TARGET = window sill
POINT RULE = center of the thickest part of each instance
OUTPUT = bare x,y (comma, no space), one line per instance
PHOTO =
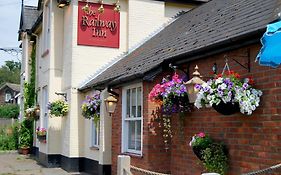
94,148
45,53
139,156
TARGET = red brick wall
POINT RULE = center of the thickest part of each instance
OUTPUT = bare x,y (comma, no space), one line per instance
254,142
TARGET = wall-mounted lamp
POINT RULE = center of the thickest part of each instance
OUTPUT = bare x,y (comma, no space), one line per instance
110,103
190,85
64,94
117,7
63,3
101,8
86,8
37,111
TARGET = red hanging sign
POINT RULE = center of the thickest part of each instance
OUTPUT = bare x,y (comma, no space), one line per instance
98,29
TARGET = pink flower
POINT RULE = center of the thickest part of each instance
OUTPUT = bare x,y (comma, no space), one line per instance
201,134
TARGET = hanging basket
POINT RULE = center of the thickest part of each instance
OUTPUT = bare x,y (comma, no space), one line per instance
227,108
198,152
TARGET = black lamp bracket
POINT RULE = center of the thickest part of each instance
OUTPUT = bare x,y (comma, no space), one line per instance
64,94
247,66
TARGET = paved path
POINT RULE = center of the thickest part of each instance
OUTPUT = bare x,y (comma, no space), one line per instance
15,164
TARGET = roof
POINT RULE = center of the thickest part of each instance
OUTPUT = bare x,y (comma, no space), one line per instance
29,16
14,87
213,24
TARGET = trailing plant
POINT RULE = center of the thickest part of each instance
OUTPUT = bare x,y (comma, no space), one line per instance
213,155
215,159
58,108
171,94
228,88
9,111
91,107
29,88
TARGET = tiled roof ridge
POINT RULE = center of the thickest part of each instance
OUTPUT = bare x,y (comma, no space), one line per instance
130,50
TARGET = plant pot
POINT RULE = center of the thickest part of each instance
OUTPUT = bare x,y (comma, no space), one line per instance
24,150
41,138
226,108
198,152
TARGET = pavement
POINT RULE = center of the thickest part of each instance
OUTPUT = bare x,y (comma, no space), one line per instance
12,163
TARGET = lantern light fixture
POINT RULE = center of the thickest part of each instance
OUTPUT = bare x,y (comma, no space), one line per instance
63,3
101,8
37,111
190,85
110,103
86,8
117,7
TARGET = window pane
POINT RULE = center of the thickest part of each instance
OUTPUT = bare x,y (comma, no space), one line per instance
138,135
95,134
134,105
131,135
139,102
128,103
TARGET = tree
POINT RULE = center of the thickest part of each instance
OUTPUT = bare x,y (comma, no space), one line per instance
10,72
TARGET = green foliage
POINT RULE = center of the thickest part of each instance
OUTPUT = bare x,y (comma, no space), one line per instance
58,108
9,111
29,88
9,138
215,159
26,134
202,142
10,72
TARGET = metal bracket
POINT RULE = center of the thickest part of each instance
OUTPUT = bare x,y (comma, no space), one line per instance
64,94
248,64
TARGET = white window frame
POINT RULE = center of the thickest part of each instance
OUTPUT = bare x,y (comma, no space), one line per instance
7,99
95,139
125,120
45,111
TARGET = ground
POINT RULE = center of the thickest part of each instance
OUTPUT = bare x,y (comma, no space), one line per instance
15,164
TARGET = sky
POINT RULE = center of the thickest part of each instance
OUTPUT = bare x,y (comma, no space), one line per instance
9,25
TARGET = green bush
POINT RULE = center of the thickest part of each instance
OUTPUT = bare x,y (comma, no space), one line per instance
9,111
9,138
26,134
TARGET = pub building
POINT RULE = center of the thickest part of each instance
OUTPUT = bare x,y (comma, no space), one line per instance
73,42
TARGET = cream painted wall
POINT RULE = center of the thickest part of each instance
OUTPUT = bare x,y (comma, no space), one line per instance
24,69
68,64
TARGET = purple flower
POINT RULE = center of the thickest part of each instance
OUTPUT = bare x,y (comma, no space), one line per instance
198,86
245,86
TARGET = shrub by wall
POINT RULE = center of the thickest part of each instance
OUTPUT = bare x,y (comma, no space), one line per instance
9,111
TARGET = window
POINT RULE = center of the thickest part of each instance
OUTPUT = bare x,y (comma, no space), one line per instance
8,96
132,119
46,29
45,99
95,134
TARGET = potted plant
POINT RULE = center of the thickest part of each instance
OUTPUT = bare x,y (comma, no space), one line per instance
58,108
25,139
41,134
228,94
91,107
213,155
